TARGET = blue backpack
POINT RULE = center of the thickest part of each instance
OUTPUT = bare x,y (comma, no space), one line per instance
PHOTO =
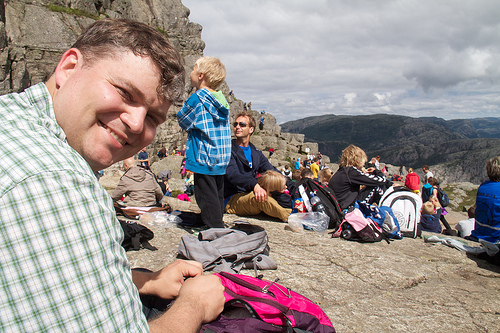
384,217
443,197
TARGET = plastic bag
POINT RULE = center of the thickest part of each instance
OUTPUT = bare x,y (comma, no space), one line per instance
160,218
316,221
295,224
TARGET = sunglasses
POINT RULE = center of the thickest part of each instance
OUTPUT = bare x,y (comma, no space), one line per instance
242,124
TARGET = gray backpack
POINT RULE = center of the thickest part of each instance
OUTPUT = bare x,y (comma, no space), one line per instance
229,250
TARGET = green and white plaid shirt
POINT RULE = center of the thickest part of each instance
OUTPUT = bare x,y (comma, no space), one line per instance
62,268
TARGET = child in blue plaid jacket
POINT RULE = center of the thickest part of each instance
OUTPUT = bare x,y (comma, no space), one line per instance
205,116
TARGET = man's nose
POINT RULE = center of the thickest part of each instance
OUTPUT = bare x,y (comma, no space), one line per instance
134,118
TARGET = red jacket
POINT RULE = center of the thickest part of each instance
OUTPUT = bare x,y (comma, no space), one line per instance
412,181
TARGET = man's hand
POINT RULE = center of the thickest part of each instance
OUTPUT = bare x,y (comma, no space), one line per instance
166,282
201,300
260,193
206,293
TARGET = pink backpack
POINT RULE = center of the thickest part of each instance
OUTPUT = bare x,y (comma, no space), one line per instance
257,305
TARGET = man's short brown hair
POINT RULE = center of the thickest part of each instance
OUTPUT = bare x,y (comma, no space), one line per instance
110,37
433,181
251,119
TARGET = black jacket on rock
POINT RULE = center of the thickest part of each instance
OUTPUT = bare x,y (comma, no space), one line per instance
346,183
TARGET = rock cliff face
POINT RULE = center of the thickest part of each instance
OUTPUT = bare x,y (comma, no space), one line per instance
34,34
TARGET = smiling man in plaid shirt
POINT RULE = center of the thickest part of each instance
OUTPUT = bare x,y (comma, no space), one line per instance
61,264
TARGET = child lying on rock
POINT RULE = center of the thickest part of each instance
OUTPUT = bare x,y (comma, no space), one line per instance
275,185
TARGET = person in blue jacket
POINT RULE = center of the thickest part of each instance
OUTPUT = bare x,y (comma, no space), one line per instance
205,116
431,212
487,225
242,192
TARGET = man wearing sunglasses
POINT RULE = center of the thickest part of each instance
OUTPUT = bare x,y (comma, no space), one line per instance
243,195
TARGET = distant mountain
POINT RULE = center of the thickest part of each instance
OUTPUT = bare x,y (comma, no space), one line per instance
460,146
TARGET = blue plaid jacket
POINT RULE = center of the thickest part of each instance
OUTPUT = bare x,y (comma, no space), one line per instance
206,120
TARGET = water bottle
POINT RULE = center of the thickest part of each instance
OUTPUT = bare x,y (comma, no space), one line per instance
316,204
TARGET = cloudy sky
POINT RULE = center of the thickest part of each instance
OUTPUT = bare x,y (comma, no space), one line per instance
298,58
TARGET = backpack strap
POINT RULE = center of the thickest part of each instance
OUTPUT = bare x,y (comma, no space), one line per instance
136,244
147,245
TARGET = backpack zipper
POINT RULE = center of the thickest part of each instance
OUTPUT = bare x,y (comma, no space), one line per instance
282,308
249,285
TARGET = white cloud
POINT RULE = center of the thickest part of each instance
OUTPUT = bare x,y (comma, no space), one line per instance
349,99
416,58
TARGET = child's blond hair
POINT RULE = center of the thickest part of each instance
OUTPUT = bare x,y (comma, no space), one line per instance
272,181
428,208
213,70
325,175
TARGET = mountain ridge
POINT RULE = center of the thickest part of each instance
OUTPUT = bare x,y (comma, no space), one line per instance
459,148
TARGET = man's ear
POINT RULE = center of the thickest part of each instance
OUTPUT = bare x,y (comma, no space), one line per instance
251,129
71,60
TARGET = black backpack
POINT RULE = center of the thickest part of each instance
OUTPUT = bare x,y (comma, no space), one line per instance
327,197
136,236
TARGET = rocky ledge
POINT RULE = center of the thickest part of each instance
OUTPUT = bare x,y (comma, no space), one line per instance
405,286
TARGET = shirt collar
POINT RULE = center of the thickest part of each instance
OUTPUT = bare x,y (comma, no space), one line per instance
39,96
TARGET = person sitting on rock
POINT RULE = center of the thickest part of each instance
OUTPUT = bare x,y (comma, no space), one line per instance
165,188
287,172
189,183
162,153
242,192
138,185
431,212
431,189
412,181
306,173
275,185
347,181
465,227
296,175
325,175
63,267
487,214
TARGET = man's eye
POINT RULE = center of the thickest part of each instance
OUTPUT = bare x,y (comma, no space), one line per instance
155,121
124,93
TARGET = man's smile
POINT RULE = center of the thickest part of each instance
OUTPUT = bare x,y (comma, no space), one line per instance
113,134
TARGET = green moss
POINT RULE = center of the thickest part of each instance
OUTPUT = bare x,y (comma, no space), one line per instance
175,193
470,199
71,11
457,205
162,31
